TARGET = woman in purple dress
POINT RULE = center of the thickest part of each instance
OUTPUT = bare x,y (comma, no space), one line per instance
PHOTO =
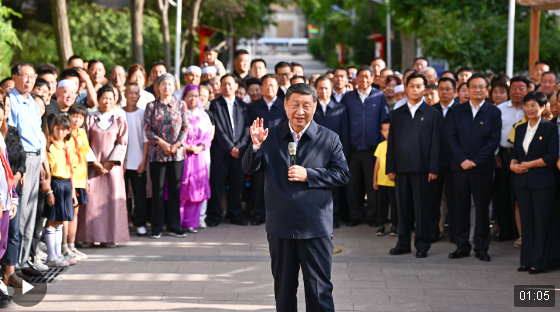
195,184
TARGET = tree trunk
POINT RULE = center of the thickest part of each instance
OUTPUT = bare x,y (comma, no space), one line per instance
408,48
164,9
192,17
136,11
62,31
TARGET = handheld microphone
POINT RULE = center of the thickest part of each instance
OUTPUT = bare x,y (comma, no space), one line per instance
292,149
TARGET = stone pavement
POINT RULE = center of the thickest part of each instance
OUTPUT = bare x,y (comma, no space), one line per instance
227,269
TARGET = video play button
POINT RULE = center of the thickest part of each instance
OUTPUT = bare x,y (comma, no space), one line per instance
29,295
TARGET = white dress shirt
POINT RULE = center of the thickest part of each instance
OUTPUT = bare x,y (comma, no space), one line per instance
363,96
269,104
324,105
403,101
445,109
510,116
413,108
475,110
230,110
529,135
284,89
337,96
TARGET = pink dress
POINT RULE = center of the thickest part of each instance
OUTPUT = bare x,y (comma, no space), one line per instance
104,218
195,185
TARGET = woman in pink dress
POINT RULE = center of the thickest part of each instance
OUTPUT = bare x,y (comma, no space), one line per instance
195,185
105,218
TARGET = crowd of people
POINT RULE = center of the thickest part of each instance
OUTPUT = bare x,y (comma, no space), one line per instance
87,155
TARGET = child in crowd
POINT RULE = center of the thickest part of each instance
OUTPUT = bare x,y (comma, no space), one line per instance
384,186
79,141
211,59
136,157
62,197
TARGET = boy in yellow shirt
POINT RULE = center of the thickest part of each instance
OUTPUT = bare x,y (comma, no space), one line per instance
384,186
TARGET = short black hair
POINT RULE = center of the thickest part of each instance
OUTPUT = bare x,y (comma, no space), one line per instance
5,80
329,72
386,121
408,70
228,75
452,73
282,64
37,96
431,86
40,82
49,66
239,52
363,68
341,68
78,109
297,77
106,88
74,57
415,75
520,79
478,76
16,69
550,73
93,62
377,58
465,68
154,64
461,85
253,80
258,60
294,64
421,58
210,47
501,77
302,88
541,62
69,72
45,72
268,76
537,96
445,79
241,84
322,78
351,67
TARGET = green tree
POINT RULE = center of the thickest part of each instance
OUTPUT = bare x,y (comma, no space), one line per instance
8,39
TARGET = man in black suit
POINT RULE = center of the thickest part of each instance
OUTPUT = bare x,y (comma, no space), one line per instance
333,116
555,239
474,137
447,91
298,199
413,155
283,71
271,110
231,116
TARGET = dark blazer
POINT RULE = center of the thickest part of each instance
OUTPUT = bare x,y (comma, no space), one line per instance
446,155
414,143
272,117
280,94
299,210
335,119
224,134
544,145
475,139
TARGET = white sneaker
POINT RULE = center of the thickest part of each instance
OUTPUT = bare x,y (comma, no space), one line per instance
69,253
155,236
202,223
42,247
57,262
71,260
39,266
41,255
141,230
80,254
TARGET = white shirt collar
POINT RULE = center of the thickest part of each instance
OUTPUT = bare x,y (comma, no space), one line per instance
294,134
368,91
324,105
284,89
228,101
413,108
269,104
475,110
529,128
341,93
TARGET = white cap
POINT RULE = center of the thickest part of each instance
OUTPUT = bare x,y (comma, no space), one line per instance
67,83
399,88
209,70
194,69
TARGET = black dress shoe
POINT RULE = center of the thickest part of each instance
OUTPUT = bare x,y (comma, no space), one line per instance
213,223
335,224
238,221
531,271
458,254
398,252
257,222
421,254
483,256
352,222
522,269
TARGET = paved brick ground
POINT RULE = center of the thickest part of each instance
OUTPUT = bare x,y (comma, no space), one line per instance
227,269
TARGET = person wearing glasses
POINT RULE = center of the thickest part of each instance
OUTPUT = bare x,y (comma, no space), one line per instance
464,73
283,71
474,135
535,152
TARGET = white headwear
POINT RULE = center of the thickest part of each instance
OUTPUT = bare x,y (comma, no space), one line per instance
67,83
194,69
209,70
399,88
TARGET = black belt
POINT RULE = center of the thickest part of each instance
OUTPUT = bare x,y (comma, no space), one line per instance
508,149
37,153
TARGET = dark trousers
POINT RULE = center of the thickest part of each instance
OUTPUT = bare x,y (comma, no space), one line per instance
504,194
386,196
258,196
443,183
535,210
137,182
220,169
339,200
362,165
162,172
315,258
413,197
480,186
38,226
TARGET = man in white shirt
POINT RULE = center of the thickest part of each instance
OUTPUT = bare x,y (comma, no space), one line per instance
283,71
340,81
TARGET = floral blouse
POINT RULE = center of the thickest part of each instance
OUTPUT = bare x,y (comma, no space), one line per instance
169,123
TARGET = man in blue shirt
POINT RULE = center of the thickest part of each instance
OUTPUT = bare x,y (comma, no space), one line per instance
367,108
26,117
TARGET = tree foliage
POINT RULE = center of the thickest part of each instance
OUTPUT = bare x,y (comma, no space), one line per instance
8,38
